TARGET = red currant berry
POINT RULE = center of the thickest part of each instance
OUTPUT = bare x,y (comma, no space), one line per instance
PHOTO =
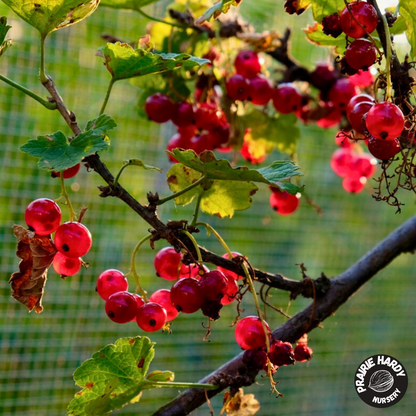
250,334
192,270
255,359
331,25
358,18
341,93
111,281
363,165
284,203
186,295
162,297
219,135
247,64
357,114
121,307
260,92
167,263
183,114
201,142
151,317
213,285
362,79
341,161
207,116
237,87
358,99
225,271
342,139
303,353
176,142
383,150
323,76
73,239
385,121
68,173
281,353
159,108
353,184
286,98
232,290
43,216
140,302
361,54
66,266
332,118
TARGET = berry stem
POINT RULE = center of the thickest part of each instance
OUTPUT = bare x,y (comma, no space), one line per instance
72,215
195,244
180,385
212,230
184,190
133,268
155,19
39,99
388,58
42,73
107,96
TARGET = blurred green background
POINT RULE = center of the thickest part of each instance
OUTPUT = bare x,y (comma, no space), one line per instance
38,353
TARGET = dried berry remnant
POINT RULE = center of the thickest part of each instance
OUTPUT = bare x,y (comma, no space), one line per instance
381,381
303,353
331,25
281,353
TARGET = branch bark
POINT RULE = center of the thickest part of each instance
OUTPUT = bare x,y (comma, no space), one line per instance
234,374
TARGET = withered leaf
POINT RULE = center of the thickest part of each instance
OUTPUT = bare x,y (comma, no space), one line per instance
242,405
262,42
37,253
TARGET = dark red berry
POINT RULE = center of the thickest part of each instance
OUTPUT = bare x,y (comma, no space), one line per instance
111,281
68,173
159,108
232,290
237,87
151,317
303,353
247,64
167,263
121,307
213,285
383,150
358,99
140,302
66,266
162,297
255,359
286,98
341,93
331,25
260,91
361,54
186,295
183,114
331,118
73,239
43,216
201,142
323,76
250,333
176,142
358,18
211,308
357,114
385,121
219,135
284,203
281,353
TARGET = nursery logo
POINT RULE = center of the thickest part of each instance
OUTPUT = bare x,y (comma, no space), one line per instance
381,381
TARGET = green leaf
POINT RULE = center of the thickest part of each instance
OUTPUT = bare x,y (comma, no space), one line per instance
161,376
123,62
57,153
407,9
49,15
281,131
220,169
315,35
322,8
138,162
126,4
179,177
399,26
216,10
4,28
113,377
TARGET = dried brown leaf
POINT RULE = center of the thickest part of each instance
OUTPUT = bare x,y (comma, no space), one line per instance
37,253
242,405
262,42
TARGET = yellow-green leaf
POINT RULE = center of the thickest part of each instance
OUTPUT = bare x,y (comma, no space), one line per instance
408,11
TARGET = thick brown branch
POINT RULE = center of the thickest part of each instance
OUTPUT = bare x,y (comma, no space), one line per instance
233,374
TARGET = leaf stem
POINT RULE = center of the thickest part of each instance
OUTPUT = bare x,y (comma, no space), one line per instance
115,183
211,229
155,19
196,212
195,244
388,59
181,385
133,267
72,215
107,96
38,98
184,190
42,74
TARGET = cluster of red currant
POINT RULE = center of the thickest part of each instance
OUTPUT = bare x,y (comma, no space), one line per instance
195,287
72,239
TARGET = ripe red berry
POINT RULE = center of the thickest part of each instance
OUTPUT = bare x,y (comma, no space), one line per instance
159,108
167,263
362,79
385,121
121,307
247,64
111,281
219,135
151,317
201,142
260,91
281,353
207,116
361,54
353,184
140,302
358,18
68,173
230,273
341,161
232,290
357,114
73,239
237,87
284,203
192,270
186,295
363,164
286,98
383,150
358,99
183,114
332,118
176,142
249,333
342,139
303,353
213,285
43,216
162,297
66,266
341,93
